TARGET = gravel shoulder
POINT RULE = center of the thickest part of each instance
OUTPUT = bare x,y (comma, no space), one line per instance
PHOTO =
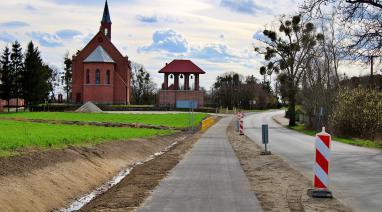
277,185
143,179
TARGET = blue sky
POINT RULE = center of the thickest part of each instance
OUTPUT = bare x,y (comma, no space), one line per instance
218,35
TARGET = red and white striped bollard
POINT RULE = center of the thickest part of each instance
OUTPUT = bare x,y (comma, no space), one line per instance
242,124
321,166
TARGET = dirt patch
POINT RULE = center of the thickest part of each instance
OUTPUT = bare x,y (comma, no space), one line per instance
277,185
98,124
138,185
48,180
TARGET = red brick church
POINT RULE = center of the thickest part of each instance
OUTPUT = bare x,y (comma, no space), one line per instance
101,74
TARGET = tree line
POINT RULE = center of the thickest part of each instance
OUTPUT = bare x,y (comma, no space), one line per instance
308,49
24,75
233,90
143,88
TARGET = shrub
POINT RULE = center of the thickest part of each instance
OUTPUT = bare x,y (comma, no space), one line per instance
357,112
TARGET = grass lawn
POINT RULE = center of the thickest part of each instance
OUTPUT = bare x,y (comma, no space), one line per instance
352,141
16,135
172,120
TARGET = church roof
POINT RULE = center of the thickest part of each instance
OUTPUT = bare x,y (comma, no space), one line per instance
106,14
182,67
99,55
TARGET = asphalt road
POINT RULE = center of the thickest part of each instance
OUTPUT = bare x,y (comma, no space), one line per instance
209,178
355,172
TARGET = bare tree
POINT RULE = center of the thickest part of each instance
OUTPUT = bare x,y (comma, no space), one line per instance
362,22
321,79
143,86
332,46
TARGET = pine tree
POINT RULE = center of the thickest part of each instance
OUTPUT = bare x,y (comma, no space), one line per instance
67,76
6,78
36,77
17,67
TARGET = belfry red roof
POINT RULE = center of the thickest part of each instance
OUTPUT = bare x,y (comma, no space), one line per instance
182,67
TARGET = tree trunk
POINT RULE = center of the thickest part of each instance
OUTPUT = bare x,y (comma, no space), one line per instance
8,105
26,105
67,96
372,72
17,103
292,110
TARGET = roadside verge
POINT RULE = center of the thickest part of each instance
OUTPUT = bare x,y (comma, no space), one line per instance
281,120
49,180
277,185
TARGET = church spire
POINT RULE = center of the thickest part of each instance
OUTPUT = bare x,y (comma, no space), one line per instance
106,14
106,22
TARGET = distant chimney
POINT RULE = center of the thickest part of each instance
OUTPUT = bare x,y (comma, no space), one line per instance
166,64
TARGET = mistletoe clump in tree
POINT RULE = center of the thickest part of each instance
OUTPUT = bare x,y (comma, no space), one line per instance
288,52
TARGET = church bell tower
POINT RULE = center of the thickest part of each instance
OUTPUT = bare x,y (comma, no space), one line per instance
106,22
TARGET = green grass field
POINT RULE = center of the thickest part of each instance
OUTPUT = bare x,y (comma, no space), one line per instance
171,120
353,141
16,135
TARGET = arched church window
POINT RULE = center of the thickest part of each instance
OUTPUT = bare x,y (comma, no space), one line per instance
108,77
106,31
98,77
88,76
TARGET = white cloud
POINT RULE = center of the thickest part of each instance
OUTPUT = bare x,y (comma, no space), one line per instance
67,34
14,24
7,38
46,39
196,26
215,52
59,38
168,41
244,6
148,19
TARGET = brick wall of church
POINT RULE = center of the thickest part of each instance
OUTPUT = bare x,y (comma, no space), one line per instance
122,68
102,92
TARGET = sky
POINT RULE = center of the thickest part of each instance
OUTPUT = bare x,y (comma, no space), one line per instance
218,35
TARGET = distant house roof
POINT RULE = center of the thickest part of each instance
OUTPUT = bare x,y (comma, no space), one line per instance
182,67
99,55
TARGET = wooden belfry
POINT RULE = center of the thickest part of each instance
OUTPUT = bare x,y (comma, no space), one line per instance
172,95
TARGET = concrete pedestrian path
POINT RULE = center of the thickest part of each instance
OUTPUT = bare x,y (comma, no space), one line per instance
209,178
